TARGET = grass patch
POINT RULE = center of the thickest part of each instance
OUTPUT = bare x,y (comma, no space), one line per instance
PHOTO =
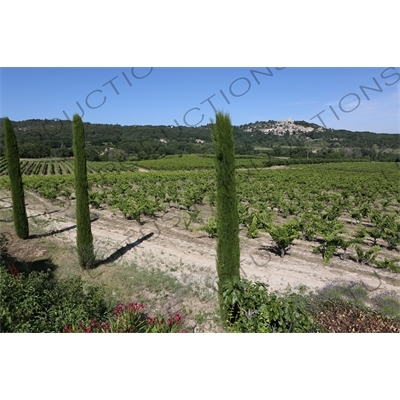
354,293
388,304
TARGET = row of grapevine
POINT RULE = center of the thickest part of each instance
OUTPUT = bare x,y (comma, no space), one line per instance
66,166
188,162
175,163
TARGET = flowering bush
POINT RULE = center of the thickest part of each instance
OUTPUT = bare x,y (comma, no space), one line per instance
129,319
35,302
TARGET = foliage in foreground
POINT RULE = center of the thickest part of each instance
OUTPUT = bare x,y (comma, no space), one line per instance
340,316
129,319
35,302
254,309
339,307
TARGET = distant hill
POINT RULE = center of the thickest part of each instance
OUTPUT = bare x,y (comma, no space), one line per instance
53,138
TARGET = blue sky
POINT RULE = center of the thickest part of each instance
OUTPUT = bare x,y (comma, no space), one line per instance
187,96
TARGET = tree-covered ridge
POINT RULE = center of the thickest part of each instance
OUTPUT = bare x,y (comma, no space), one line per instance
52,138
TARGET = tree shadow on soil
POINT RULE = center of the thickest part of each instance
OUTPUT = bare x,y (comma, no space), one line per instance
10,219
44,213
54,232
17,267
120,252
273,249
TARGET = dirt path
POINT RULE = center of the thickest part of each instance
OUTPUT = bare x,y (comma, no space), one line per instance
190,256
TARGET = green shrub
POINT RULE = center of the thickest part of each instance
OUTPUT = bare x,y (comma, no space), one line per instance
284,235
368,256
211,228
252,230
3,246
388,264
254,309
36,303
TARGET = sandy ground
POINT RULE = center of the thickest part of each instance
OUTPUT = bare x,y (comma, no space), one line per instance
190,256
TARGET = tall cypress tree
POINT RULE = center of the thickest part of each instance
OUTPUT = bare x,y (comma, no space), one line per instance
228,252
84,238
14,172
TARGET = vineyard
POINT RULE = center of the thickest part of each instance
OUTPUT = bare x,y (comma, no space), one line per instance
169,163
184,162
50,167
195,161
345,210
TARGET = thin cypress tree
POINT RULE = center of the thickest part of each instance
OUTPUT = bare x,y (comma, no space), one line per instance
14,172
228,252
84,237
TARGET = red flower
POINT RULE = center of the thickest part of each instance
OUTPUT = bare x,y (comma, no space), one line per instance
178,318
135,306
94,323
119,309
105,326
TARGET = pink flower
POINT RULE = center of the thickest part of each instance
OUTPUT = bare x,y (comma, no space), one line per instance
105,326
178,318
119,309
135,306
